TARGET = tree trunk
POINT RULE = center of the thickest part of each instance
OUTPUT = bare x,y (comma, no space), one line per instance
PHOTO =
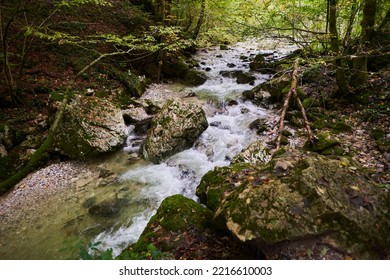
341,79
355,8
200,20
360,73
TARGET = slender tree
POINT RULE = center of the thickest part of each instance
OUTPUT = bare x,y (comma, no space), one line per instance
360,73
341,80
200,19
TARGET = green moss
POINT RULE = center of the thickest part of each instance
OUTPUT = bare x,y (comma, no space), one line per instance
377,133
209,179
312,74
224,47
194,78
341,126
383,145
7,167
174,216
56,96
177,212
311,102
321,144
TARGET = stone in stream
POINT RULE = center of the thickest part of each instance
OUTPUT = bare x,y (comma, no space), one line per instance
240,76
174,129
106,209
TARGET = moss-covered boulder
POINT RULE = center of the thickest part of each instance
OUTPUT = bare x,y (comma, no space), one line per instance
325,145
194,78
181,229
300,200
258,63
171,227
90,127
174,129
277,88
245,78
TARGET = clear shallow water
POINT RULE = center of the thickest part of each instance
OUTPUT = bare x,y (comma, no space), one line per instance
139,188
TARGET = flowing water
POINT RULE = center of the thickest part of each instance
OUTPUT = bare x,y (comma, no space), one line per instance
135,190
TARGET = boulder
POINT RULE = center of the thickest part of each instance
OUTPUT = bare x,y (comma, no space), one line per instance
106,209
277,88
180,230
176,215
245,78
90,127
258,62
240,76
298,203
174,129
194,78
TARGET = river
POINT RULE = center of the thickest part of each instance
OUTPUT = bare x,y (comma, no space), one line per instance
63,221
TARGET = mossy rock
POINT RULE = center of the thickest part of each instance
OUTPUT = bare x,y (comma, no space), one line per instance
224,47
305,198
218,183
194,78
96,126
383,145
377,133
382,142
174,66
176,215
322,144
275,87
175,128
311,102
283,141
312,73
340,126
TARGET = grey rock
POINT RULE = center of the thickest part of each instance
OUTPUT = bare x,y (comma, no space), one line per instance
174,129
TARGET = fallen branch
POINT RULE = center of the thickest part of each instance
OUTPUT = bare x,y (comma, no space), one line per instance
293,92
287,101
306,121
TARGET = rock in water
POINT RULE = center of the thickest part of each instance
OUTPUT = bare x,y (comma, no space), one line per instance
90,126
174,129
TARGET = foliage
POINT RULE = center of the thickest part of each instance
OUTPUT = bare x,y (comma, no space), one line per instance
151,253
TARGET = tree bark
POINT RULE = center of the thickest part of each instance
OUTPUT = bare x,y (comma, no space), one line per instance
341,79
355,8
287,101
359,63
200,20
